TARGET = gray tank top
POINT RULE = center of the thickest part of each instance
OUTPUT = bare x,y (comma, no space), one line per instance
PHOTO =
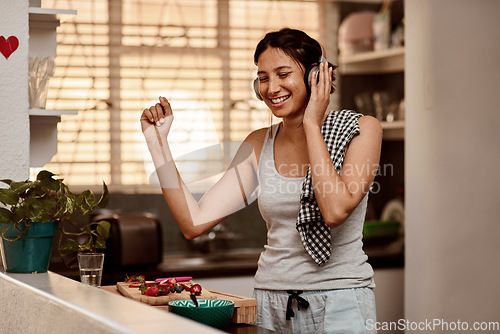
284,264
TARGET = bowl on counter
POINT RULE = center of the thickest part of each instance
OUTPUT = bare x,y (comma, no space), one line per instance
386,230
212,312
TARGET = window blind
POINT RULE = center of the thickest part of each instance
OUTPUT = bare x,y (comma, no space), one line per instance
116,57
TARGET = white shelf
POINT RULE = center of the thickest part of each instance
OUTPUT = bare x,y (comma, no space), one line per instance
393,130
53,11
49,116
373,62
49,14
51,112
43,130
43,23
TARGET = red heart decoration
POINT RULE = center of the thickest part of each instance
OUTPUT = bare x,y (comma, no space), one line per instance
8,46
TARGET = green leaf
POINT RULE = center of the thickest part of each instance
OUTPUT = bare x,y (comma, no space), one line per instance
40,204
103,202
6,181
39,216
5,216
69,245
21,187
51,184
39,210
19,214
102,228
44,175
67,204
100,243
8,196
35,192
86,202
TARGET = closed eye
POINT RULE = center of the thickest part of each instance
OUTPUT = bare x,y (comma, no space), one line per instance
284,75
263,79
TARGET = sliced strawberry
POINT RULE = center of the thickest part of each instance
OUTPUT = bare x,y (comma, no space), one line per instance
165,285
196,289
152,291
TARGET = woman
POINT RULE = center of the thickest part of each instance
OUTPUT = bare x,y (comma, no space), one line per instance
314,171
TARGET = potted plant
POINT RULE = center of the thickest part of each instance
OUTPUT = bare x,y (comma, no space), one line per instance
32,214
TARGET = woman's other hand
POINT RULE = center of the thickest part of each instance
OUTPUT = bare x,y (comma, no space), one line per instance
320,96
159,115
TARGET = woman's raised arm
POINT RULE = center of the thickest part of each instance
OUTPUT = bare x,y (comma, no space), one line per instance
230,194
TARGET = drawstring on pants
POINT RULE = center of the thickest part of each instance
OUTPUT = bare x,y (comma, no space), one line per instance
300,302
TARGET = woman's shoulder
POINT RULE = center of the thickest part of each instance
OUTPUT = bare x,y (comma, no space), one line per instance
257,138
371,124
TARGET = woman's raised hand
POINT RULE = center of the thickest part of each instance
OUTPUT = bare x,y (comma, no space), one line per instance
159,115
320,96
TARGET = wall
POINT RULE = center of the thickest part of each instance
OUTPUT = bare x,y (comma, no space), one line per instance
452,158
14,118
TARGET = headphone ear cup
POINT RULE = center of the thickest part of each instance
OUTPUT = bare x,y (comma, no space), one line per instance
256,88
308,76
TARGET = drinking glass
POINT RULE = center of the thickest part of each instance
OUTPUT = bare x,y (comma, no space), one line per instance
91,268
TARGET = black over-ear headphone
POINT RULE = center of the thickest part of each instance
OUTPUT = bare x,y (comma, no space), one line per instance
307,77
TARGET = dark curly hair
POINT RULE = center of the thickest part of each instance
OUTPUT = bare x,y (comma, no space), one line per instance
296,44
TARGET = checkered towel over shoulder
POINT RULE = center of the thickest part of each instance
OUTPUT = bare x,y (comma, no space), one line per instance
337,130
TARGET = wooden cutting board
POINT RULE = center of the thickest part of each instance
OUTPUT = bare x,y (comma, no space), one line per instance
135,293
245,308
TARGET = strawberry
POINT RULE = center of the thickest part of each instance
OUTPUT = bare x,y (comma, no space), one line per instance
166,284
134,278
152,291
163,291
144,286
196,289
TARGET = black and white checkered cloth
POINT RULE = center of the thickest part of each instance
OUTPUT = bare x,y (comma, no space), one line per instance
337,130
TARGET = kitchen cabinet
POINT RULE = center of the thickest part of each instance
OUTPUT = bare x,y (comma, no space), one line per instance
360,77
43,23
376,63
373,62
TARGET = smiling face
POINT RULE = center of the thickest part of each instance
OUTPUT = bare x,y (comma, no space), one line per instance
281,83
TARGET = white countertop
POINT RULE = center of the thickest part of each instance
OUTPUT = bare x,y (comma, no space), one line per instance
53,303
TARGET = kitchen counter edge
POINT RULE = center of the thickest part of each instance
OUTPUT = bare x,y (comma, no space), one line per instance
48,301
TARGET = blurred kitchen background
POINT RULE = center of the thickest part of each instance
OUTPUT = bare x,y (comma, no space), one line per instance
428,70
